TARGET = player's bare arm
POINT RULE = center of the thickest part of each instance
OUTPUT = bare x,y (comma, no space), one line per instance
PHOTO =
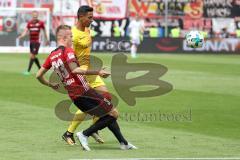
40,76
77,70
23,34
46,37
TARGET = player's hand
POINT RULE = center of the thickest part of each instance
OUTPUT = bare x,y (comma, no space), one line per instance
103,73
54,86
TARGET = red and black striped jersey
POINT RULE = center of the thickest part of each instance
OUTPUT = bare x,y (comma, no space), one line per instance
34,28
59,59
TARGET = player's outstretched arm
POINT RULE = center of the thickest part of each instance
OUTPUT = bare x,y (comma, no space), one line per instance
77,70
24,33
46,37
43,80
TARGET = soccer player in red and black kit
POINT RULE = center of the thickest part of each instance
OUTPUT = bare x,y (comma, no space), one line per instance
65,64
34,27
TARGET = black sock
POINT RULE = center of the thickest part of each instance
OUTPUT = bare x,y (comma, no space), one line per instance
114,128
30,64
37,63
100,124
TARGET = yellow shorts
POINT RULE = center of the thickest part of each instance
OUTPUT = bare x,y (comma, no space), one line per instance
93,80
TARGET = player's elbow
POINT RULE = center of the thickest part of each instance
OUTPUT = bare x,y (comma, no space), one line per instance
74,71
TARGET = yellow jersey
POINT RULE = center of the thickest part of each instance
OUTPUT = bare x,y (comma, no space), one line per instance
82,46
82,42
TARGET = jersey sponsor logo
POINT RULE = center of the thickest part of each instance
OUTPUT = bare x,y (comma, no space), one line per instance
34,29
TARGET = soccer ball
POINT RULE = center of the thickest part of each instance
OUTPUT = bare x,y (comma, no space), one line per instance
194,39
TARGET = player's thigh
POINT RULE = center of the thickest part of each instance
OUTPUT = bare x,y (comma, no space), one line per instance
93,103
114,112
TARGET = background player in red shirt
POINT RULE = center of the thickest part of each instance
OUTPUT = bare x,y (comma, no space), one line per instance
65,64
34,27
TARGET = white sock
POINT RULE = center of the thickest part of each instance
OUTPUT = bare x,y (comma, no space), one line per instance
133,51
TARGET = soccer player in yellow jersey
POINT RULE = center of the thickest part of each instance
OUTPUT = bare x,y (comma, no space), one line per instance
82,46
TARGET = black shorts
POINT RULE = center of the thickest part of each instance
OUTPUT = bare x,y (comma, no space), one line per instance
93,103
34,47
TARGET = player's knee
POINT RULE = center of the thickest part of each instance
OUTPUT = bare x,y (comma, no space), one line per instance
107,95
79,111
32,56
114,113
101,89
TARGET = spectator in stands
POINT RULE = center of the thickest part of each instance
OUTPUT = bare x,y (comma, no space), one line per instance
238,33
205,33
116,30
153,32
175,32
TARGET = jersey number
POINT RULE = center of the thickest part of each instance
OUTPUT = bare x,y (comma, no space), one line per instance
60,69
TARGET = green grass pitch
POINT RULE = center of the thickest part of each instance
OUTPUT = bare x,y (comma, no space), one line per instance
206,91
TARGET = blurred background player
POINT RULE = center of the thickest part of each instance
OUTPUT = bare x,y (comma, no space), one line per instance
34,27
136,29
82,46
